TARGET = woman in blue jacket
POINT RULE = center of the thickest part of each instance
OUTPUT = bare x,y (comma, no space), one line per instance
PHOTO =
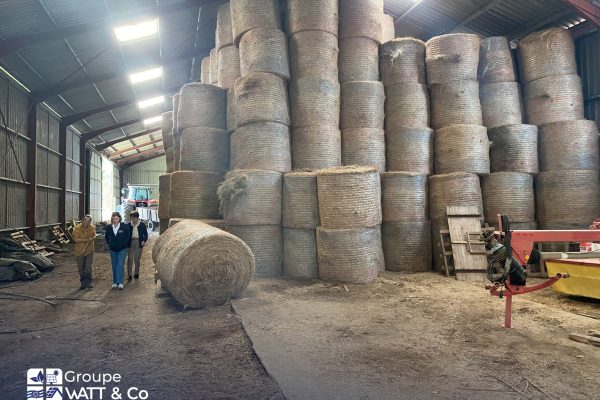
117,237
138,237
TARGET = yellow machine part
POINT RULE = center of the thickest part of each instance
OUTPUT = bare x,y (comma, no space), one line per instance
584,277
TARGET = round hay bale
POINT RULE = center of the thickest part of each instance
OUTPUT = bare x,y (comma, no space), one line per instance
547,53
312,15
251,197
228,66
202,105
410,150
362,105
404,196
175,221
520,226
265,241
457,189
204,267
495,61
216,223
508,193
300,253
164,237
224,31
407,246
361,18
315,101
300,201
406,106
455,103
214,67
205,70
261,145
452,57
163,225
358,60
500,104
514,148
167,129
316,147
176,99
314,53
554,99
261,97
250,14
164,195
402,60
204,149
194,195
349,197
264,50
350,255
364,146
170,159
462,148
569,145
231,123
176,152
567,199
388,30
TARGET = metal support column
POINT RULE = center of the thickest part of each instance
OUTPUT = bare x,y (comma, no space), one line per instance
31,170
62,174
83,181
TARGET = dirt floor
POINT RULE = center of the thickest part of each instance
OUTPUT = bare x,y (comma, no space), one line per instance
143,336
417,336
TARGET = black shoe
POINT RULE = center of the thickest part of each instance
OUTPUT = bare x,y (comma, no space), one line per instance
82,287
90,286
129,278
136,276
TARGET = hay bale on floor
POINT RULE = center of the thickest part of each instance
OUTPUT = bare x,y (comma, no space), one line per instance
204,149
569,145
314,53
312,15
455,103
224,31
163,225
349,197
300,200
358,60
402,60
317,146
261,97
300,253
165,237
194,195
508,193
462,148
495,60
500,104
264,50
452,57
265,241
514,148
406,106
204,267
364,147
350,255
261,145
457,189
407,245
361,18
202,105
228,66
251,197
388,30
404,196
554,99
216,223
362,105
550,52
167,129
251,14
410,150
315,101
164,195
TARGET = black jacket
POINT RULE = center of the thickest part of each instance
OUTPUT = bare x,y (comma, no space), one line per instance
121,240
142,233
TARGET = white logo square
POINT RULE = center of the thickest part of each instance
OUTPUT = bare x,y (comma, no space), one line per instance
36,376
35,392
54,393
54,376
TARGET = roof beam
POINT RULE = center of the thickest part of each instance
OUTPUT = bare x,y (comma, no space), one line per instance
518,34
151,152
92,134
587,9
106,145
137,146
140,160
472,16
405,13
16,43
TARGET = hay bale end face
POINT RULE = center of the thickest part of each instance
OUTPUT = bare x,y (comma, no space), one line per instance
402,60
202,266
452,57
265,241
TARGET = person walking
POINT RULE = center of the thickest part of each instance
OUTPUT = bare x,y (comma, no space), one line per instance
117,238
83,236
139,237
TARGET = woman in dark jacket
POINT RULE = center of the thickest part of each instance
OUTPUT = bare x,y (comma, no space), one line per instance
117,237
138,237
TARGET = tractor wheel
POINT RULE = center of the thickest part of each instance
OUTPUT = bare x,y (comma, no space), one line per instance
152,225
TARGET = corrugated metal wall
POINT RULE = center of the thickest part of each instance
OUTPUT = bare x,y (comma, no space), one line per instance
145,173
117,185
588,61
48,186
73,169
95,185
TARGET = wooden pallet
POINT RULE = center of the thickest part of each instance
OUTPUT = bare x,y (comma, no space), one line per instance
29,244
468,252
59,236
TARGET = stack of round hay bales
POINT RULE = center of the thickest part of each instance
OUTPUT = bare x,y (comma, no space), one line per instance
202,266
164,196
514,148
349,237
362,94
251,202
228,55
168,140
509,193
388,30
204,149
176,136
194,195
312,28
300,218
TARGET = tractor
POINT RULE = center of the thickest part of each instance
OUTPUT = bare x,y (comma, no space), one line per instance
139,198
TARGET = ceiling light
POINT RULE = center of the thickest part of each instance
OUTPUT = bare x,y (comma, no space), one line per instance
144,29
151,102
153,120
146,75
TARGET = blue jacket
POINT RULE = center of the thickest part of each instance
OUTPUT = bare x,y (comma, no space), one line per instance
142,233
121,240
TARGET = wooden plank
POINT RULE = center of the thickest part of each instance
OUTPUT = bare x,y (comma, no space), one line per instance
578,337
463,221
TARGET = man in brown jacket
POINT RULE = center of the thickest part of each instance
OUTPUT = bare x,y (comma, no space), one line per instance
83,235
